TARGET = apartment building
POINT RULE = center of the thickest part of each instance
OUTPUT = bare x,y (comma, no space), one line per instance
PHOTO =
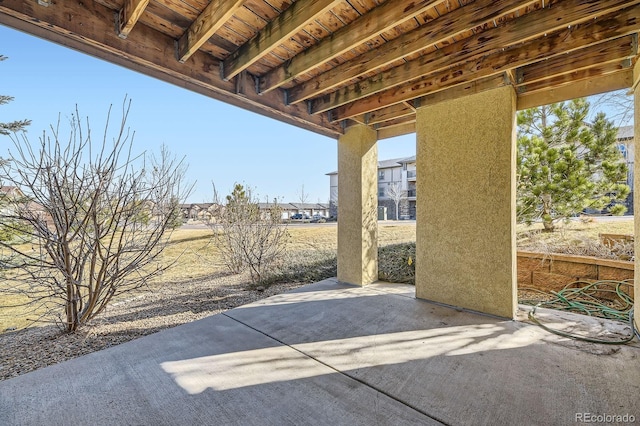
400,172
626,146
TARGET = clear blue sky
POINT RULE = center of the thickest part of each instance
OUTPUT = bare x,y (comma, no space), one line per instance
221,143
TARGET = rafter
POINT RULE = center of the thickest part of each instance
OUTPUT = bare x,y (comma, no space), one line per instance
602,53
441,29
591,86
529,27
384,114
286,25
636,75
558,80
150,52
616,25
400,121
128,16
214,16
392,132
383,18
462,90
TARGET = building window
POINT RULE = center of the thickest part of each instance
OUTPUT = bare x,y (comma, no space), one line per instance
381,175
381,191
623,150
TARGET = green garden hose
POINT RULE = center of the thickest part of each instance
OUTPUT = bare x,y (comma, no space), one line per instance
585,297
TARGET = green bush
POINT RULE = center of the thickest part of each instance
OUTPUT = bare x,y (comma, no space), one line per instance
396,263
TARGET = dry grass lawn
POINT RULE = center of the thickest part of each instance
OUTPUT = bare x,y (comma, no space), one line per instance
577,236
311,247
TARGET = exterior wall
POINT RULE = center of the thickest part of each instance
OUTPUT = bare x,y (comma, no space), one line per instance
465,245
333,194
627,147
388,176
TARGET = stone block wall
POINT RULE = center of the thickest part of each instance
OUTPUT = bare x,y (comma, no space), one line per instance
553,272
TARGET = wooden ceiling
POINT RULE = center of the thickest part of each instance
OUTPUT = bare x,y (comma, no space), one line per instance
322,64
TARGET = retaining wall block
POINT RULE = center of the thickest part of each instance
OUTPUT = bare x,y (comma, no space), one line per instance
572,269
525,277
530,264
608,273
547,281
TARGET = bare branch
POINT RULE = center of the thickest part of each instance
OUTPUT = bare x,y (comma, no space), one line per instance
397,195
90,220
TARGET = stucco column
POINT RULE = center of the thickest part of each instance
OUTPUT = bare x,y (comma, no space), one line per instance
636,197
465,235
358,206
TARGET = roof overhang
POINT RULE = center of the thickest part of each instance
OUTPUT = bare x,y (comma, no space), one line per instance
323,65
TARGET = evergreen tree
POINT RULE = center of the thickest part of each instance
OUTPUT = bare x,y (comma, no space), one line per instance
13,126
566,165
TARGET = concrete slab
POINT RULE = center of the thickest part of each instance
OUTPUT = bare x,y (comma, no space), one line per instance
336,354
212,372
458,367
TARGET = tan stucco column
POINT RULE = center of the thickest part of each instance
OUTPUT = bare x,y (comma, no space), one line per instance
636,196
465,236
358,206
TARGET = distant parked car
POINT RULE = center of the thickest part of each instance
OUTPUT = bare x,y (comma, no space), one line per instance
318,218
299,216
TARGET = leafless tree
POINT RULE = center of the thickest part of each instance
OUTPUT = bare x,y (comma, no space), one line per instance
248,238
333,202
303,197
93,217
397,194
618,105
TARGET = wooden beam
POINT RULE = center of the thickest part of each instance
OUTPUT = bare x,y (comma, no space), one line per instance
463,90
475,48
601,53
88,28
380,19
616,25
129,15
574,76
636,74
214,16
593,86
389,113
290,22
392,132
400,121
441,29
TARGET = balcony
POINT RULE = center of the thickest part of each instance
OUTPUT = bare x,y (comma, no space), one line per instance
411,175
411,193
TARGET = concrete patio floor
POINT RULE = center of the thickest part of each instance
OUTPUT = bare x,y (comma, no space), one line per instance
333,354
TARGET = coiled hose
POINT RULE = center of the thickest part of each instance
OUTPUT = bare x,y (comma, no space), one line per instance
587,298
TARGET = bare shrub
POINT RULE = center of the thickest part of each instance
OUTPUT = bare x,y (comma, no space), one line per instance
579,246
249,238
94,219
397,195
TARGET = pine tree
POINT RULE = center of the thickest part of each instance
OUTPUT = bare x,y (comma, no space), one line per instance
14,126
566,165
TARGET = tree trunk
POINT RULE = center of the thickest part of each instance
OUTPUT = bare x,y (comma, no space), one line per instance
547,219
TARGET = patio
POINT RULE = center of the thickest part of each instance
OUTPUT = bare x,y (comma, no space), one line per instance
331,353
